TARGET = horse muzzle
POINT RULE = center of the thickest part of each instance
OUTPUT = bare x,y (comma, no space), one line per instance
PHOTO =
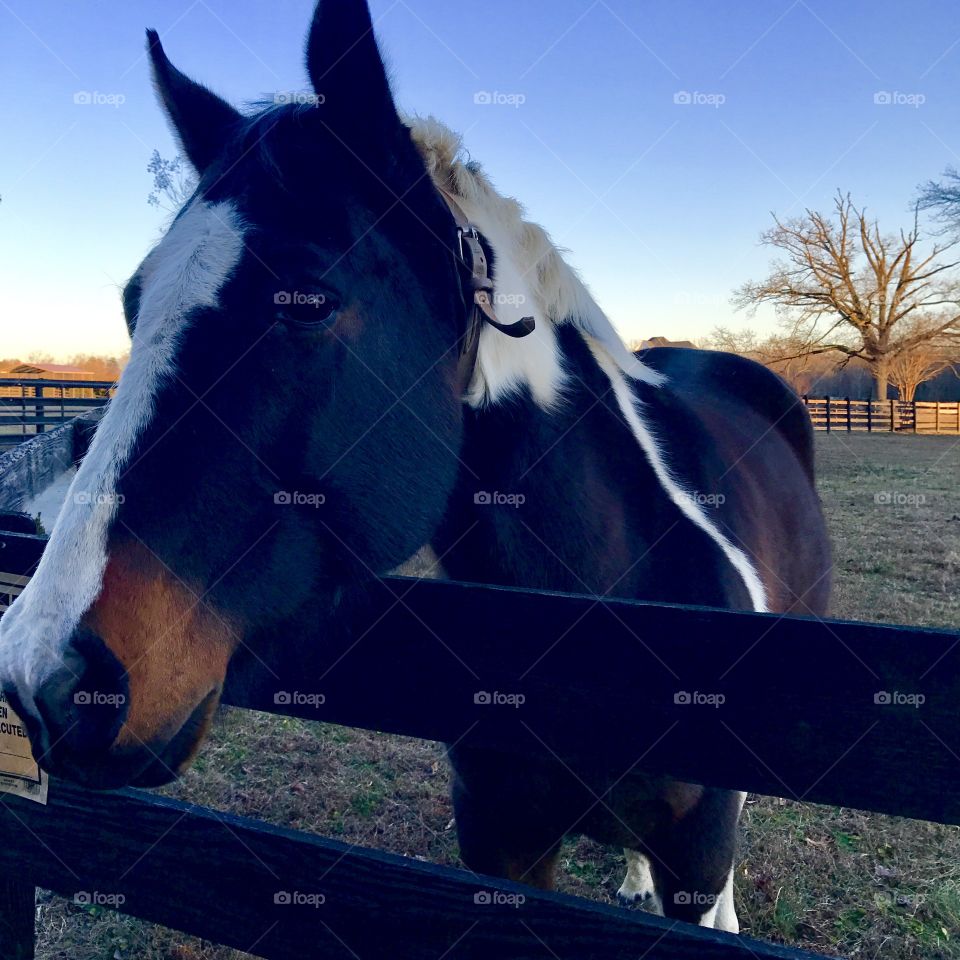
78,717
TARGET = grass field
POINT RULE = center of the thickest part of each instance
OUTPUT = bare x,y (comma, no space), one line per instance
829,879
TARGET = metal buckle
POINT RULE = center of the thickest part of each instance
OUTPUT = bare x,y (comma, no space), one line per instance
468,238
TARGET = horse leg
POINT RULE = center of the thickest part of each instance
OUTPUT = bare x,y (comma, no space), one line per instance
638,885
693,858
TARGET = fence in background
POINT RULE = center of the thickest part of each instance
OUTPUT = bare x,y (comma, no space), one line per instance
883,416
29,407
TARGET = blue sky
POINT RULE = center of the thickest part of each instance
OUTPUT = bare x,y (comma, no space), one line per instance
660,202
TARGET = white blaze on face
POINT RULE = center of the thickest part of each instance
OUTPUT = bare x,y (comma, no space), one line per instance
185,271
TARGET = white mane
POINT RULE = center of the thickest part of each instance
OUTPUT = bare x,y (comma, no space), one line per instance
529,263
559,295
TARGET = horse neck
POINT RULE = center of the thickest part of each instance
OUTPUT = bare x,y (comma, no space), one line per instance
544,472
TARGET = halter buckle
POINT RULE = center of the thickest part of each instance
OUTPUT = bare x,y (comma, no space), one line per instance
473,257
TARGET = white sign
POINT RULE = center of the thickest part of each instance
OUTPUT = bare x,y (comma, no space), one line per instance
19,773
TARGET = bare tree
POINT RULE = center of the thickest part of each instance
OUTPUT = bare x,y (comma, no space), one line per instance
745,342
941,198
173,182
924,362
801,368
841,285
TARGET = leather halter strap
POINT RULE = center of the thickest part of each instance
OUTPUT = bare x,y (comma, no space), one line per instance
479,297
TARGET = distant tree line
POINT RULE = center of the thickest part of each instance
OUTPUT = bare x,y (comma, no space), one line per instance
102,368
925,373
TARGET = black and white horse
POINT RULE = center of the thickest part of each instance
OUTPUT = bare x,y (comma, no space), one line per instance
319,317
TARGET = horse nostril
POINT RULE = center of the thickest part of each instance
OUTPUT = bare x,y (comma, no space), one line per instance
82,703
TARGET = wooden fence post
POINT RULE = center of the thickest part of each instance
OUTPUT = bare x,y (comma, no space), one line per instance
936,417
17,909
869,416
38,408
913,407
849,417
892,409
828,413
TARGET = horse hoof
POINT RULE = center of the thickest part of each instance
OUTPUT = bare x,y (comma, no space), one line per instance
631,899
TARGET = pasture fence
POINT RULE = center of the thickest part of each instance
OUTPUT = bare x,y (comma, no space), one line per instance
29,407
859,710
883,416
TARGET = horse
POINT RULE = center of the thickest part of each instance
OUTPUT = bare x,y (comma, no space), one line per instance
347,309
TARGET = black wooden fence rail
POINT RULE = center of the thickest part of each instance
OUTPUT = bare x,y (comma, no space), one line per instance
843,713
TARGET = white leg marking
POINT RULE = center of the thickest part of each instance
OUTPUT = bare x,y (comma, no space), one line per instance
709,919
725,910
638,886
683,499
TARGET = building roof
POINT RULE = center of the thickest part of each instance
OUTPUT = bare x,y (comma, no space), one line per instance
51,368
664,342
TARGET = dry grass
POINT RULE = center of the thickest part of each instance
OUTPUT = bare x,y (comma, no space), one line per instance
834,880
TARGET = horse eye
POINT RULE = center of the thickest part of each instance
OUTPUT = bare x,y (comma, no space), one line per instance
306,310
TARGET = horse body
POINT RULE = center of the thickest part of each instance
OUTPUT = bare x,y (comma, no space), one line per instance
319,260
596,515
686,481
585,511
595,518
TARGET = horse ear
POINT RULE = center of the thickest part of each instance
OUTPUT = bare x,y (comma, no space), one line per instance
200,118
346,68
